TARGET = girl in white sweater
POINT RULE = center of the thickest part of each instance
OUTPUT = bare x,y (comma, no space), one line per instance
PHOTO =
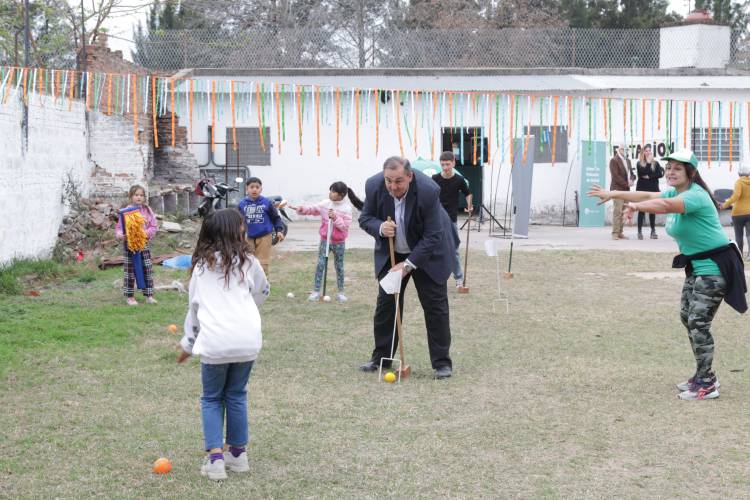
223,327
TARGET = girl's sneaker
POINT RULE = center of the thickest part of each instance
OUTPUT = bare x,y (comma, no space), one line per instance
238,463
132,302
215,470
151,300
689,383
699,392
341,297
314,297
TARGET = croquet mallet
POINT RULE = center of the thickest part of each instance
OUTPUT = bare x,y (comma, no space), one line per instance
328,249
463,288
404,370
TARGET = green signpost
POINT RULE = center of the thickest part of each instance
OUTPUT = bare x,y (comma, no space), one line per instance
593,171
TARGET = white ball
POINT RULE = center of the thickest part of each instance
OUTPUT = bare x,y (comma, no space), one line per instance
290,295
326,298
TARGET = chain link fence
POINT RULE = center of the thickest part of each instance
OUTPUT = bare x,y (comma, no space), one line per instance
455,48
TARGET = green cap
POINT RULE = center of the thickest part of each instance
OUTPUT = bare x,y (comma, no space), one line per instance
684,156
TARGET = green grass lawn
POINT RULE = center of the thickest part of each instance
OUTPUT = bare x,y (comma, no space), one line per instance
570,395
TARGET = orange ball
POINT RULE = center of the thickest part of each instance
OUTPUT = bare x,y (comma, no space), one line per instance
162,466
172,328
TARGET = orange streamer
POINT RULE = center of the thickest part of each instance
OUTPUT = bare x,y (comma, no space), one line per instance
278,117
72,89
731,135
710,132
260,119
511,103
377,120
299,117
153,113
190,104
658,121
10,84
109,94
643,122
338,119
685,122
356,121
527,136
171,98
57,88
554,128
398,124
135,108
25,72
213,117
40,86
317,120
234,124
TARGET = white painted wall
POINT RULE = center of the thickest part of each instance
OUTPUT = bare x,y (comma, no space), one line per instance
31,204
694,46
305,177
33,179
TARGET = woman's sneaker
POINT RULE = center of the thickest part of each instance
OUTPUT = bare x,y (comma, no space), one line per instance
314,297
700,391
151,300
214,469
131,301
238,463
341,297
689,383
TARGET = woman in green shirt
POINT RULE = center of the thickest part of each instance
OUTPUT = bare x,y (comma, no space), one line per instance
693,221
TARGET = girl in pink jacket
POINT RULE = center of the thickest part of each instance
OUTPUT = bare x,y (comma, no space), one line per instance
339,211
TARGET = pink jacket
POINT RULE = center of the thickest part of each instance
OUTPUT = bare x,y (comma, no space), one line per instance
151,225
342,218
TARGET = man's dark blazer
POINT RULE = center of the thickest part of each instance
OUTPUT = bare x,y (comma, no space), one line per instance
431,235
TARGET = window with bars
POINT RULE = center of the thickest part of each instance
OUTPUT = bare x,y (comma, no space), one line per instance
249,149
726,143
543,153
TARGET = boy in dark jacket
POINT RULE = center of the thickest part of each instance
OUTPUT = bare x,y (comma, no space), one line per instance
262,219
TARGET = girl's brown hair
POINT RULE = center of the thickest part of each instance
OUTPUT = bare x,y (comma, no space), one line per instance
223,233
134,189
695,176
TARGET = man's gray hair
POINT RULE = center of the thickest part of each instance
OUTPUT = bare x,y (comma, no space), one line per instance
395,162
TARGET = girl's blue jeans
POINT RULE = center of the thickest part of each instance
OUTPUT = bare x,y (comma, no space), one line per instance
224,390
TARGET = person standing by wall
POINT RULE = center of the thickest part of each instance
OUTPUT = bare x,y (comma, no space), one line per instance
649,173
452,185
740,203
621,172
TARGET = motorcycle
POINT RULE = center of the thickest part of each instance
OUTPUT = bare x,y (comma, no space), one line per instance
216,196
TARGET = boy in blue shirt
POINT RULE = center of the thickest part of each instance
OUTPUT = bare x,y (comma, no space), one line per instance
261,218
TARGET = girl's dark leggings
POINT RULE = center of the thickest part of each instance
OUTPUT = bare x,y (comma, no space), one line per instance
741,223
651,220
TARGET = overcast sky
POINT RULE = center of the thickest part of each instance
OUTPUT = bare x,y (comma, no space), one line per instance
122,25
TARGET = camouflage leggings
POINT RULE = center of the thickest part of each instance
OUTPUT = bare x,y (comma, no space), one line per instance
701,297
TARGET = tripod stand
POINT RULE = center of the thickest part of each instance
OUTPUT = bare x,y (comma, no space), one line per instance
482,210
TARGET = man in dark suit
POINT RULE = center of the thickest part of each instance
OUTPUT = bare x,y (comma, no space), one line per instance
621,172
425,244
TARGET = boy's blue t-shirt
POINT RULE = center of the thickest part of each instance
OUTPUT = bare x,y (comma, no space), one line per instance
261,217
698,229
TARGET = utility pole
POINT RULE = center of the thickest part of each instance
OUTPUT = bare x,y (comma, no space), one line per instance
26,44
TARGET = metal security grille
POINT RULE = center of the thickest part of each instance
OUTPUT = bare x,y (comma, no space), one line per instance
249,149
720,143
544,139
557,47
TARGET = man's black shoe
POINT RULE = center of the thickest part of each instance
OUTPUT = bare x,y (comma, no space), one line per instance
443,372
373,366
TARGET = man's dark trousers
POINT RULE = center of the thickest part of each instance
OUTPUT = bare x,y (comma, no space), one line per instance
434,299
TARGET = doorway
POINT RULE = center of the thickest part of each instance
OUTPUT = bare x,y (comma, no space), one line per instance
469,145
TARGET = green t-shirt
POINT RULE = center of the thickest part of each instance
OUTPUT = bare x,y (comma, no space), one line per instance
698,229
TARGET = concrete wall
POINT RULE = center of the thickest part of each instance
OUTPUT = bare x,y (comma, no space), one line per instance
304,176
33,180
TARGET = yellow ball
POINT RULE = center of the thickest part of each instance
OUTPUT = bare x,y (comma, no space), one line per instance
389,377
